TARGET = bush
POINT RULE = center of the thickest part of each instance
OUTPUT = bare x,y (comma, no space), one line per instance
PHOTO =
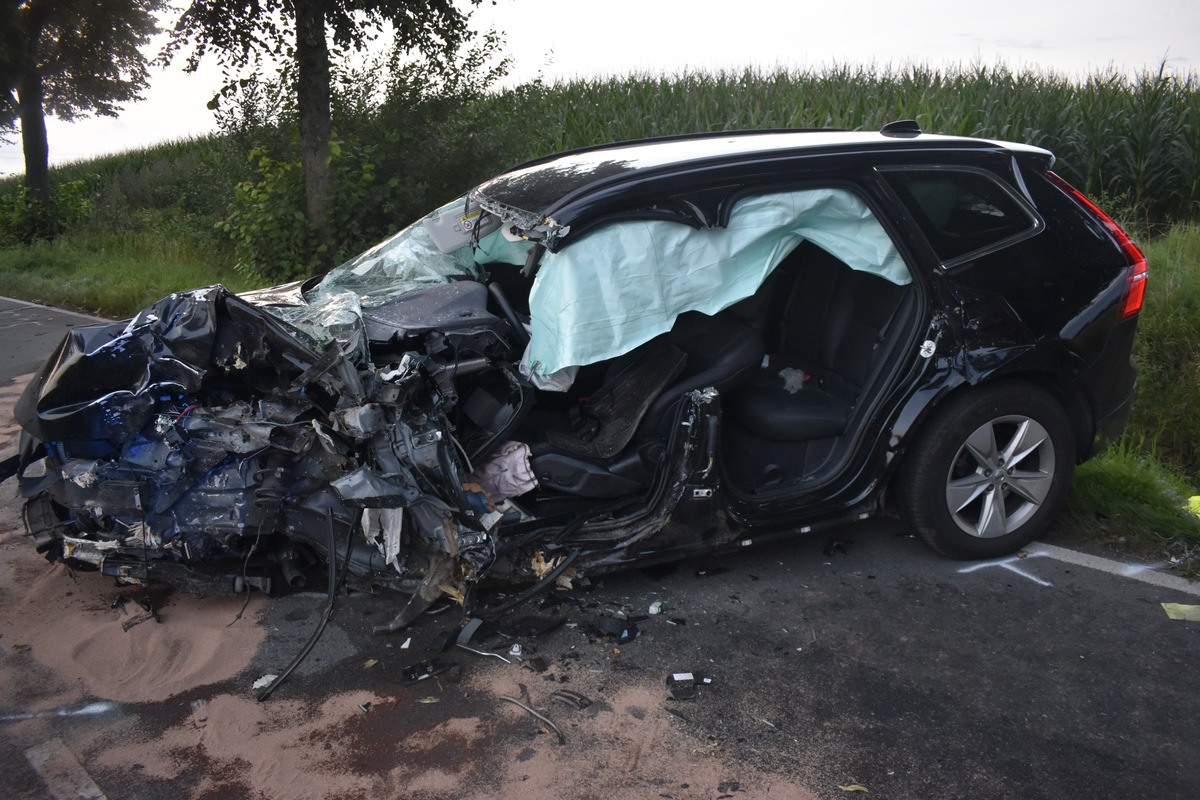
24,220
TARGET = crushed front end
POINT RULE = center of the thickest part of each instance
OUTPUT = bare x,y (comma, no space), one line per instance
211,445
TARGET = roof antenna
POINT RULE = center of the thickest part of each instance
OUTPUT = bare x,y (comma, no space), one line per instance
901,129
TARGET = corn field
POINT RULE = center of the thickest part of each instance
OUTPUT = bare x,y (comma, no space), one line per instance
1133,141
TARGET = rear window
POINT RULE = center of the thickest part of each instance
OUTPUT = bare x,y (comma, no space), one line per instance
963,213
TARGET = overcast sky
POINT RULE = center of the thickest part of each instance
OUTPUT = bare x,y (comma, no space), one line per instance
562,39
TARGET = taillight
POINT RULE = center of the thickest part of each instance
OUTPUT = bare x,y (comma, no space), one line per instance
1135,275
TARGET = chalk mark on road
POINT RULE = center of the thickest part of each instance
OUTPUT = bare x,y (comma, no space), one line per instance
1007,563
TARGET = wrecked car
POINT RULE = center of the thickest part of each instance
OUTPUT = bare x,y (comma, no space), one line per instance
618,355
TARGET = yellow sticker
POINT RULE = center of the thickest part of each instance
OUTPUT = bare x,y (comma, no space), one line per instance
1182,611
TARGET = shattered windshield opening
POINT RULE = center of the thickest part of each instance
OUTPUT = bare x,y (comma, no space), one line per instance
411,259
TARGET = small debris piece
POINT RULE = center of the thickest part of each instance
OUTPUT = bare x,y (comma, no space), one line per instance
119,604
537,664
440,605
370,662
1182,611
484,653
561,739
441,643
708,572
423,671
685,685
426,701
364,707
677,621
145,616
469,630
516,650
264,681
407,643
837,546
854,787
571,698
657,607
620,630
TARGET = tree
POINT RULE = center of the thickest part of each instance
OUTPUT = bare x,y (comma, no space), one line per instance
68,58
301,31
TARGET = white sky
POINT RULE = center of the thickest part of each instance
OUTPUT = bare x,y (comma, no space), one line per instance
562,39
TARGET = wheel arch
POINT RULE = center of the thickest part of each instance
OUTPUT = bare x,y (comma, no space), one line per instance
924,409
930,450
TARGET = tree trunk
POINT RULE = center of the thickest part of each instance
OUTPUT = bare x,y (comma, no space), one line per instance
312,100
30,105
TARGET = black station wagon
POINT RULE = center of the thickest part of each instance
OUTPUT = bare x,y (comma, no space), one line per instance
618,355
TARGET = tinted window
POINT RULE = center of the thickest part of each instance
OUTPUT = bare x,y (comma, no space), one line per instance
961,212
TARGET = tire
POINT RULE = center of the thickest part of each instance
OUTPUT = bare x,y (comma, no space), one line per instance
989,471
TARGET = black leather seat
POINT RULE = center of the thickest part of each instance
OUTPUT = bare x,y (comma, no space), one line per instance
715,351
832,330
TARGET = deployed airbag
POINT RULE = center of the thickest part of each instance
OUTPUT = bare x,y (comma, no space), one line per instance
625,283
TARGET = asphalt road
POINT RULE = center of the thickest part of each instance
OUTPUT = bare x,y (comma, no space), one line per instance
858,660
30,334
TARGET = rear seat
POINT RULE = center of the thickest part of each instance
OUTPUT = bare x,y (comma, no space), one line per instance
833,323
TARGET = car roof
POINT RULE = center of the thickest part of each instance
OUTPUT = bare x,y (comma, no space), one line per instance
543,186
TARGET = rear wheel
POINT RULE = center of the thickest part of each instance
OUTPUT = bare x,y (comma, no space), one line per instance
989,472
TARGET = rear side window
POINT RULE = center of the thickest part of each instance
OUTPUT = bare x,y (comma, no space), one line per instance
963,213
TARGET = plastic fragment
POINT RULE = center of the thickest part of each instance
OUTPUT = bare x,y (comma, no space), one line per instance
621,631
423,671
370,662
1182,611
657,607
426,701
364,707
407,643
265,680
854,787
469,630
145,616
685,685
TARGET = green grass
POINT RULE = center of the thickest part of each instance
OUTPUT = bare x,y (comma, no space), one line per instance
1126,495
1167,415
115,273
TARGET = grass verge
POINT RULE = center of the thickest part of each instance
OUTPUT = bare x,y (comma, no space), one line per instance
114,273
1127,499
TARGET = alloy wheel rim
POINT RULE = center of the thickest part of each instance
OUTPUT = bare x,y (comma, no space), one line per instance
1000,476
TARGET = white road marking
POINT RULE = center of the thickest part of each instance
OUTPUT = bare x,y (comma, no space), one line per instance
63,775
1006,563
1146,573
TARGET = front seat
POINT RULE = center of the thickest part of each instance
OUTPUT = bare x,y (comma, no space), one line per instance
698,352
